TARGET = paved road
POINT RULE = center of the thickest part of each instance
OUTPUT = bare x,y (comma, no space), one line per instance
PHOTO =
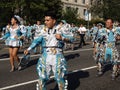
81,68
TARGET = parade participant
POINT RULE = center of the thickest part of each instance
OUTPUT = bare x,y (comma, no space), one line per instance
65,28
62,22
29,33
37,28
98,38
3,31
52,58
23,30
7,28
94,28
118,32
73,28
13,40
94,31
37,33
82,31
109,52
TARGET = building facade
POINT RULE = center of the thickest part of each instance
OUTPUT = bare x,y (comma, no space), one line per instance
80,5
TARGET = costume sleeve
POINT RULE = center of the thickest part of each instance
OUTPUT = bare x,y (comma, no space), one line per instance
118,31
35,43
6,35
68,36
23,30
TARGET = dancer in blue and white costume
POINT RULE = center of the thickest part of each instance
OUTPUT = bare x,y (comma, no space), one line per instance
13,39
74,30
37,27
52,58
98,38
29,33
65,28
118,32
107,50
94,31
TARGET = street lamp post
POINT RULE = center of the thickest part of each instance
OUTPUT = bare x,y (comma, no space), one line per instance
88,13
88,17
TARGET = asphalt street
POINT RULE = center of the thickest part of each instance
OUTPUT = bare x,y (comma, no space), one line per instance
81,72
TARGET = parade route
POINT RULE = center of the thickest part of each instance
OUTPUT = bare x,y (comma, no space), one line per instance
39,54
33,81
81,74
60,45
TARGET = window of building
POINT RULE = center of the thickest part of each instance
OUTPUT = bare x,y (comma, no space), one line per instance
83,1
77,9
84,11
91,2
99,2
67,7
76,1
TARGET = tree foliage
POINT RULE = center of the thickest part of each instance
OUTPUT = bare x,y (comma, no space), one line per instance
31,10
71,15
106,9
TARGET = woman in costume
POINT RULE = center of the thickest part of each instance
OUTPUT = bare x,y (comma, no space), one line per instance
13,40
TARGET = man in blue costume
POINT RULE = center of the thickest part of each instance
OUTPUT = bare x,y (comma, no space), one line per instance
108,52
37,27
98,39
118,32
29,33
94,31
52,59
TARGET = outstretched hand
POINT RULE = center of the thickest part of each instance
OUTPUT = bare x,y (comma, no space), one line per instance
16,37
0,38
26,52
58,36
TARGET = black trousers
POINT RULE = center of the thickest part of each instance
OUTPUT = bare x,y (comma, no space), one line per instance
82,41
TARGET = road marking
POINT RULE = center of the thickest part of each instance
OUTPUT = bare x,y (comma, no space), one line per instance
5,59
33,81
84,69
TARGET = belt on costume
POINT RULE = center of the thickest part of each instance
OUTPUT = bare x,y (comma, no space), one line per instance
110,44
51,47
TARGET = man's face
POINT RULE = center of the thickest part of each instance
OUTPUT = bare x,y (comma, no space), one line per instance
49,22
60,23
81,25
109,23
38,23
93,24
99,27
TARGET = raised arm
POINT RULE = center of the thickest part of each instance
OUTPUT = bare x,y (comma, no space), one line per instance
35,43
5,36
67,38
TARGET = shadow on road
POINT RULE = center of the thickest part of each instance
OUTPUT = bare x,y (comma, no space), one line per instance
78,47
71,56
32,62
107,67
4,56
74,80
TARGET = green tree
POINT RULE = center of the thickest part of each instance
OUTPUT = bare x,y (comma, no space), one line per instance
70,15
106,9
32,10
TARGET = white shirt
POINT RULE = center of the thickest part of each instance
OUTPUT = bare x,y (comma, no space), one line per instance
82,30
